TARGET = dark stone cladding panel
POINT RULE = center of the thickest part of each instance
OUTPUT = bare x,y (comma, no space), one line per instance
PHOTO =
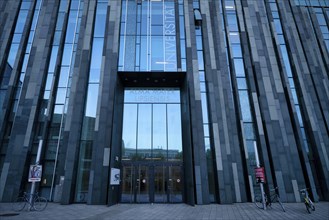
200,165
4,50
311,67
250,70
9,11
75,113
22,133
221,109
108,133
285,167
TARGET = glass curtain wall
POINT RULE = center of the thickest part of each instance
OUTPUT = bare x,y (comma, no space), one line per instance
320,16
292,82
55,96
312,2
204,106
88,125
25,7
242,91
152,125
148,36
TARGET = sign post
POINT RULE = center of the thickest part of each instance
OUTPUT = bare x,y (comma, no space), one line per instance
35,176
261,175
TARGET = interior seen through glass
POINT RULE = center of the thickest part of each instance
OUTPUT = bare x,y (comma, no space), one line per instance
151,146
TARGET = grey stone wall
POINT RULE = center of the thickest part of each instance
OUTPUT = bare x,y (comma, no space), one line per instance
16,165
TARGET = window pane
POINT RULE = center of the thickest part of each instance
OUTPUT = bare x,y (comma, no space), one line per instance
97,52
100,20
91,103
12,54
70,30
199,42
129,131
174,132
200,60
204,107
157,53
159,131
53,59
63,77
234,38
245,106
144,130
241,82
66,60
236,50
49,81
60,96
239,68
248,131
21,21
156,13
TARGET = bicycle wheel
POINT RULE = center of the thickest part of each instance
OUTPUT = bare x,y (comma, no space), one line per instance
258,202
40,203
308,207
19,204
311,205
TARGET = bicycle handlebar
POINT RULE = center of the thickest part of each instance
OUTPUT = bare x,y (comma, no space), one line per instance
303,190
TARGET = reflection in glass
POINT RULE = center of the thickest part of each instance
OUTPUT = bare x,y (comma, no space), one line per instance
159,132
248,131
175,184
174,132
64,76
60,97
53,59
67,53
142,184
160,184
153,123
153,23
127,184
245,106
100,20
129,133
12,54
83,171
144,131
91,103
239,68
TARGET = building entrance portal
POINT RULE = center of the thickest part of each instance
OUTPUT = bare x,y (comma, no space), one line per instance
148,183
151,163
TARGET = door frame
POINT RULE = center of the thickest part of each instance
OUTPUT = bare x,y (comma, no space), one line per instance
151,177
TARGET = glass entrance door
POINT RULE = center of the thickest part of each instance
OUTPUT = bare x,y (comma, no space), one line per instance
151,183
175,184
151,154
135,184
160,184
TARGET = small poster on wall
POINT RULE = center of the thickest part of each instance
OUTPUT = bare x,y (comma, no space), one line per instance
35,173
115,176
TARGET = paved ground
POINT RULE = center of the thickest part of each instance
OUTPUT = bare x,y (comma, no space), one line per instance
167,212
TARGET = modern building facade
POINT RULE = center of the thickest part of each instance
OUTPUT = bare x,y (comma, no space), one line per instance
164,101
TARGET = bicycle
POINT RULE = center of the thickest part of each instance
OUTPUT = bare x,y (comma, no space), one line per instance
35,202
274,196
307,200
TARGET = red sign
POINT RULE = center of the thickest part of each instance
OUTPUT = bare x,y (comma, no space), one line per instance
260,174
